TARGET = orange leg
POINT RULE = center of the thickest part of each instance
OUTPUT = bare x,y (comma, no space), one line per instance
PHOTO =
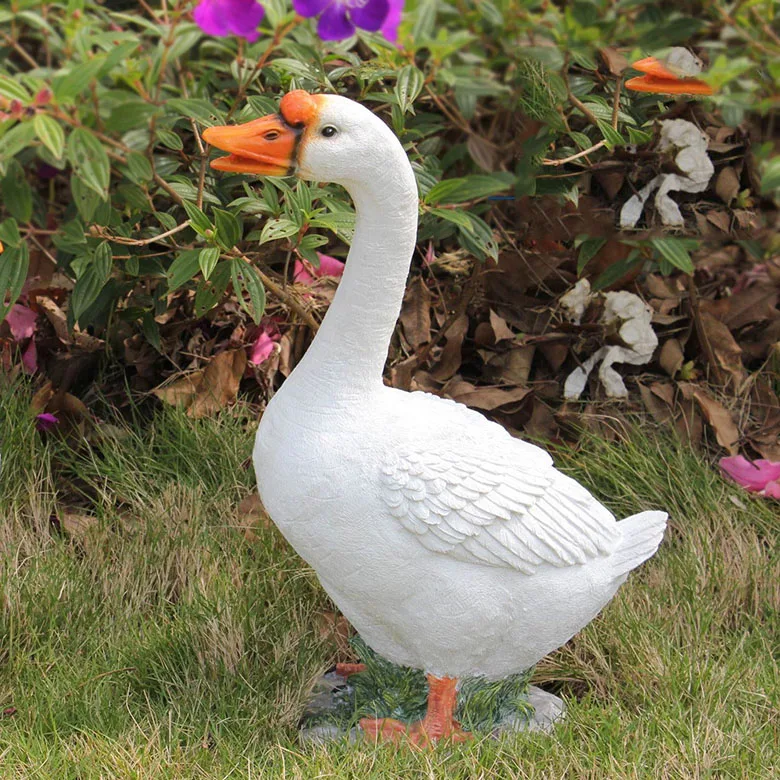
437,724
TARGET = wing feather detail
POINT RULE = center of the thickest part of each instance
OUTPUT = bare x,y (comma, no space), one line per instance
493,509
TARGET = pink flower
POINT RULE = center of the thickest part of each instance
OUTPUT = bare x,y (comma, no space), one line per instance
46,421
30,358
305,273
262,348
390,27
759,476
226,17
21,320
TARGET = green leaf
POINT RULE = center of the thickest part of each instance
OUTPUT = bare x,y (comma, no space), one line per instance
9,232
86,199
275,229
638,137
89,160
479,240
183,268
456,216
589,247
246,277
19,137
196,108
207,260
425,21
467,188
51,134
17,194
408,86
228,228
611,136
103,259
618,270
77,79
169,139
12,89
139,168
85,291
199,221
675,251
770,179
14,263
209,292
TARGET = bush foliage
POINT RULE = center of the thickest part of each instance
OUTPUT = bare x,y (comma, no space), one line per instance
103,167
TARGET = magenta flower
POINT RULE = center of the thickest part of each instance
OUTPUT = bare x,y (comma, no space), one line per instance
390,27
339,18
229,17
46,421
21,321
758,476
305,273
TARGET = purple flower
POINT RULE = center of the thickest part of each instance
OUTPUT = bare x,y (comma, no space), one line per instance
390,27
339,18
226,17
46,421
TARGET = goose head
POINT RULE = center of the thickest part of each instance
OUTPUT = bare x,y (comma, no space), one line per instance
325,138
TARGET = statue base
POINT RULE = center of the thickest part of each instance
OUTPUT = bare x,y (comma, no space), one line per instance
499,708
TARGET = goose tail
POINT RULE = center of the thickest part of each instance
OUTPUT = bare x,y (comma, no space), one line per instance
642,534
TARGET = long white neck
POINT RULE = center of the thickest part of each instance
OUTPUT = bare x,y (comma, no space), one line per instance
347,356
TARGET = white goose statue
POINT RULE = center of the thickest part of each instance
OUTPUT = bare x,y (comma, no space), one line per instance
451,546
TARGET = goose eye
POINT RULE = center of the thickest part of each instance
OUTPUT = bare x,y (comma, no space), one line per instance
329,131
271,135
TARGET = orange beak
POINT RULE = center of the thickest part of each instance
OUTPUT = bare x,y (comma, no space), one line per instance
265,146
662,81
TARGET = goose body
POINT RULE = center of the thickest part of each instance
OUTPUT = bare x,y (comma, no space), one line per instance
451,546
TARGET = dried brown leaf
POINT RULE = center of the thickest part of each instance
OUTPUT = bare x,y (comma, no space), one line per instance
208,389
752,304
487,398
451,355
501,330
720,219
671,356
482,152
512,367
416,313
76,524
335,628
251,515
721,350
616,63
727,184
719,419
661,412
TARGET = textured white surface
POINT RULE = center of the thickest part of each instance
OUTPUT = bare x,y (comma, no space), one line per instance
500,558
634,319
692,160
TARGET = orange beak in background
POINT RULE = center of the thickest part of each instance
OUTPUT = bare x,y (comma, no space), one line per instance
265,146
660,80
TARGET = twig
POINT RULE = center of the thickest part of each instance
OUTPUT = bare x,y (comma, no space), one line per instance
145,241
575,101
616,102
19,50
285,295
584,152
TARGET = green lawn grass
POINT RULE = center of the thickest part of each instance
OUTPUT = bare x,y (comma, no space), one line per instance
165,644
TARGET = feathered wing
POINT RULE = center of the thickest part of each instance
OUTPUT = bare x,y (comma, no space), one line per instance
487,506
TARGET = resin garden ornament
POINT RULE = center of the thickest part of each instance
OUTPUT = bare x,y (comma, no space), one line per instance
451,546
